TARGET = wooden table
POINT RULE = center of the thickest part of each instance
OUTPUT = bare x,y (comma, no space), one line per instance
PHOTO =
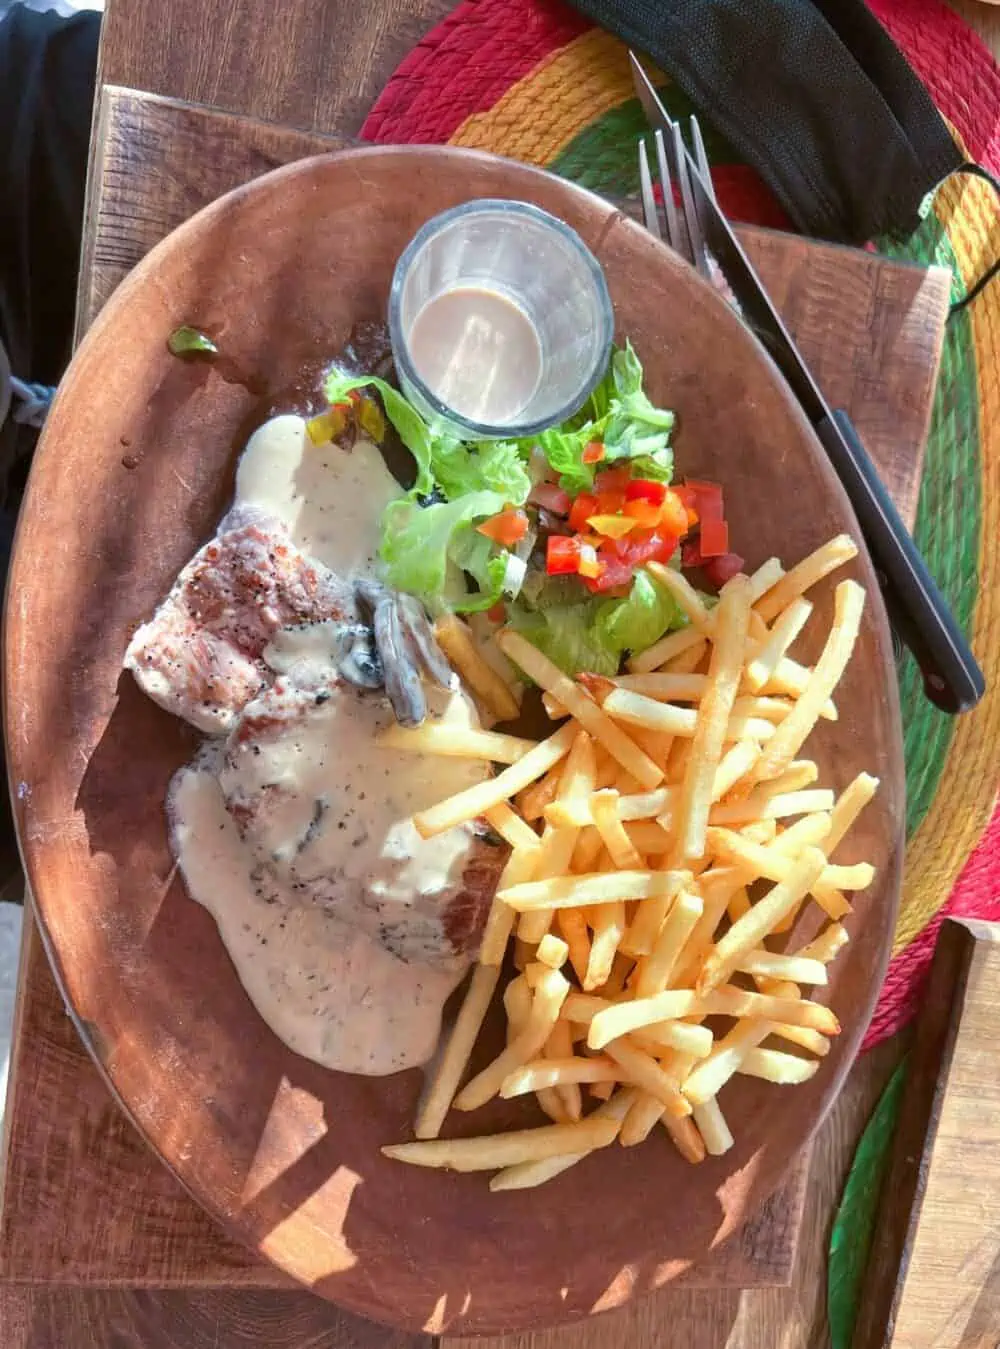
289,63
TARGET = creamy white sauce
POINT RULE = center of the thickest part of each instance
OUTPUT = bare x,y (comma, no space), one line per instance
316,961
327,990
330,499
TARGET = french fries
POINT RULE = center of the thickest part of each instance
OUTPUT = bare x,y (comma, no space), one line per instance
637,830
457,643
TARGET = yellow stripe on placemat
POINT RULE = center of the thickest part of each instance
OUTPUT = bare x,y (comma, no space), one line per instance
962,805
541,114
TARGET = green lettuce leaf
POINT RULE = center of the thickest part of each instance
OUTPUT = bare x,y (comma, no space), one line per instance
640,618
413,430
476,554
493,466
567,635
564,451
416,540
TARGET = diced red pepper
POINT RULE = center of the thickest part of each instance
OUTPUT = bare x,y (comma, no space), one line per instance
645,489
707,498
714,538
719,570
609,502
497,613
613,480
647,546
593,453
673,515
645,513
562,555
551,497
687,498
582,508
507,528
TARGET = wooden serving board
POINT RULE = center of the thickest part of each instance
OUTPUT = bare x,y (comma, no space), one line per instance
934,1277
84,1201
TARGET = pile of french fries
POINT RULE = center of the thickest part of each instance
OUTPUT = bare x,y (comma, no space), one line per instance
661,840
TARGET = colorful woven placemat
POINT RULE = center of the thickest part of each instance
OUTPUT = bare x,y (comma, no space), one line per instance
531,79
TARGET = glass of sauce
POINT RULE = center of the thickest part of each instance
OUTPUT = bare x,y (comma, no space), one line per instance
500,319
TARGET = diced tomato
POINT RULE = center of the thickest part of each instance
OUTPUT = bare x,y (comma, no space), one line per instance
584,506
645,513
644,489
714,540
707,498
613,480
507,528
614,573
612,526
497,613
610,502
590,566
551,497
687,499
673,515
562,555
647,546
719,570
593,453
691,554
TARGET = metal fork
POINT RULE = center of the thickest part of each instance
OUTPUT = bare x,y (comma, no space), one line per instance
672,166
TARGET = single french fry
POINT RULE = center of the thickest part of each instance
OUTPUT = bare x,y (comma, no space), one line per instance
614,985
810,831
830,942
554,709
649,838
476,800
500,921
739,904
638,1124
737,761
620,1019
643,1070
665,687
527,1175
638,710
760,831
786,628
637,806
510,826
591,717
667,649
764,579
680,588
805,575
500,1150
732,616
713,1128
771,965
792,732
543,1073
552,951
749,931
560,892
686,662
656,968
790,679
609,928
717,888
851,803
548,998
517,1006
435,737
576,783
531,802
573,926
762,707
559,1046
686,1138
694,1041
708,1078
775,1066
771,862
589,846
453,1062
601,1091
457,643
604,809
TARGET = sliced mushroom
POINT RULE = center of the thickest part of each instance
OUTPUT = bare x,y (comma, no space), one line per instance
418,628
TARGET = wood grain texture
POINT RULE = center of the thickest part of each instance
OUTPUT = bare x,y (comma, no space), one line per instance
934,1278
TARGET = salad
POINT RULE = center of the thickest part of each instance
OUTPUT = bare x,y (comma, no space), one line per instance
548,535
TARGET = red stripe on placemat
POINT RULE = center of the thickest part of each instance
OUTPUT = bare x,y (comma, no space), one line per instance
465,65
977,895
956,66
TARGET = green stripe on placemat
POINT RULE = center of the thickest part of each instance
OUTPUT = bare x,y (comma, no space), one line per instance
948,517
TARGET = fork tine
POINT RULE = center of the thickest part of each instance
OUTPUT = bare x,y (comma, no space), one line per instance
700,157
646,189
696,245
669,209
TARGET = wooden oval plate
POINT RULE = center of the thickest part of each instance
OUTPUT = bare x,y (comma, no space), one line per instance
133,472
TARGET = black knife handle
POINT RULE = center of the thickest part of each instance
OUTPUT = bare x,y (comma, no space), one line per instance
918,611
